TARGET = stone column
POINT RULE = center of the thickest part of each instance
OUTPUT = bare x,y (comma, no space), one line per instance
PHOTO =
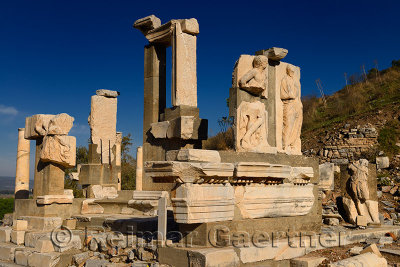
118,157
22,170
139,169
38,174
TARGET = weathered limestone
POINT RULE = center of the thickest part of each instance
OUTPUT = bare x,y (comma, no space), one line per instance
162,220
372,249
326,176
307,262
139,169
18,237
50,199
22,170
193,155
146,199
59,149
103,126
60,124
368,259
7,251
255,80
43,259
36,126
44,246
21,256
20,225
195,203
118,156
107,93
382,162
89,207
101,192
5,234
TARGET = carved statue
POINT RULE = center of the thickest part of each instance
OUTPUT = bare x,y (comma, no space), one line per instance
292,112
254,81
359,186
252,127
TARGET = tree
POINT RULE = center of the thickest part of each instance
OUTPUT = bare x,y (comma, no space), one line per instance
128,164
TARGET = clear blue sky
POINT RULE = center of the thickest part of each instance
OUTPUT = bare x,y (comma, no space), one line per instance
54,54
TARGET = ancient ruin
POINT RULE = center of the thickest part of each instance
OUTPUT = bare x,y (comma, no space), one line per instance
260,203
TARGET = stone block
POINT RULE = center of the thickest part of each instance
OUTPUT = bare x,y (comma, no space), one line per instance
159,129
37,125
193,155
21,256
222,257
5,234
190,26
372,249
39,223
44,245
74,242
355,251
79,259
361,221
20,225
96,263
307,262
69,224
50,199
18,237
382,162
7,251
182,127
60,150
60,124
326,176
89,207
107,93
31,238
43,259
331,221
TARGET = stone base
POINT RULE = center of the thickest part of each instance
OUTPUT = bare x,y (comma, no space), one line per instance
50,199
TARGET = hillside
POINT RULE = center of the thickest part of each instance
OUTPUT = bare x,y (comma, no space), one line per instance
370,101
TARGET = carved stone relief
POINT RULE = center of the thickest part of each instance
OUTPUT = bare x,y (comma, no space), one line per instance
254,80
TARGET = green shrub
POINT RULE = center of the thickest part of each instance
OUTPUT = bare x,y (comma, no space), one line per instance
6,206
387,137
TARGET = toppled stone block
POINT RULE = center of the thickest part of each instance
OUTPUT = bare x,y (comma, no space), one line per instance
361,221
18,237
43,259
107,93
193,155
326,176
355,251
59,149
20,225
367,259
307,262
274,53
5,234
372,249
382,162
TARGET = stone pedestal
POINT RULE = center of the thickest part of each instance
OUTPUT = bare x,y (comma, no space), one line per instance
22,170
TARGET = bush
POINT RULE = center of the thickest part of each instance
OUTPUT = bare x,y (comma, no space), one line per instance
6,206
221,141
387,137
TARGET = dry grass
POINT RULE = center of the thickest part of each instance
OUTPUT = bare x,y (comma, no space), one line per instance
221,141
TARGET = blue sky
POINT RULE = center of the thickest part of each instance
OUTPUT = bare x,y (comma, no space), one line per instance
55,54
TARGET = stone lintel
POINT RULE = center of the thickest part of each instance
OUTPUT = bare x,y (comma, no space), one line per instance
50,199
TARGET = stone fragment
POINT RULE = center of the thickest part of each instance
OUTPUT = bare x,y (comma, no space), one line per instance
79,259
372,249
307,262
44,245
31,238
37,125
60,150
89,207
361,221
69,192
42,223
74,242
20,225
394,190
382,162
385,240
190,26
181,128
96,263
144,254
275,53
147,24
60,124
107,93
367,259
355,251
7,251
110,192
5,234
159,129
103,124
193,155
18,237
379,194
50,199
386,189
74,176
43,259
326,176
331,221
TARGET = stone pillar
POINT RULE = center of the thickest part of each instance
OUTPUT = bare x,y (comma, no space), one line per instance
139,169
22,170
118,157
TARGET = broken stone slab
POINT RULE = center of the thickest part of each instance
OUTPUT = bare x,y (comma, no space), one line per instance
60,150
193,155
18,237
386,189
372,249
326,176
60,124
391,251
355,250
147,199
31,238
382,162
394,190
50,199
43,259
5,234
331,221
188,172
90,207
79,259
107,93
101,192
388,203
74,242
147,24
274,53
307,261
96,263
159,129
367,259
39,223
